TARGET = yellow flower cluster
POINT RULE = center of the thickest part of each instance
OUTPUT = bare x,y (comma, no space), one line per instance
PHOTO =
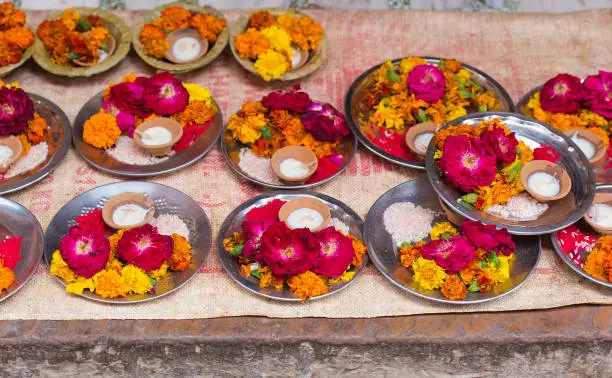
428,274
442,229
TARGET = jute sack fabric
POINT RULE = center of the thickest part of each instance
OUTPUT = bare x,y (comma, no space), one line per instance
520,51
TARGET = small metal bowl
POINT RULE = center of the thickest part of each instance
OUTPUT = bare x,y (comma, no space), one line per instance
561,213
384,253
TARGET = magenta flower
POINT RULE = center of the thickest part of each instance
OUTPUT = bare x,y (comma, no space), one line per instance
427,82
451,254
488,237
145,248
130,97
466,163
288,252
253,231
335,253
16,110
165,94
561,94
294,100
125,120
85,252
598,93
325,123
499,144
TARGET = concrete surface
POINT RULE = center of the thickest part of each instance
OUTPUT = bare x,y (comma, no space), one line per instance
574,341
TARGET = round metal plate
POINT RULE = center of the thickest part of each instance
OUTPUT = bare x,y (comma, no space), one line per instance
601,175
104,162
233,223
560,213
384,253
349,149
357,91
16,220
167,201
60,133
582,224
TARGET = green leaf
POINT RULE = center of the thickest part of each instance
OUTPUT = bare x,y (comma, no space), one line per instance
83,24
494,260
475,83
465,93
468,205
473,287
446,235
104,47
255,273
404,244
152,281
470,198
441,63
482,107
393,77
482,264
72,56
421,116
513,173
518,150
266,133
237,250
606,127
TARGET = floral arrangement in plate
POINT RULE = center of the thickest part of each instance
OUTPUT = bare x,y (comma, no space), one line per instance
10,249
287,119
304,262
74,39
484,161
153,34
117,263
277,44
138,99
566,103
416,91
588,250
15,37
474,258
19,120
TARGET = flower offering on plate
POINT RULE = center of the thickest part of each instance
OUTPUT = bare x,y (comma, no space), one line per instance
31,140
113,245
411,241
145,126
579,109
586,246
81,42
499,168
21,246
277,44
388,100
16,39
261,129
180,37
292,246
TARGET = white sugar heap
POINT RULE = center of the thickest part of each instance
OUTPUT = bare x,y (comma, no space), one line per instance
407,223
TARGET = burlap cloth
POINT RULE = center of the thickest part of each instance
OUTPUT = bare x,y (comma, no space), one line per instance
520,51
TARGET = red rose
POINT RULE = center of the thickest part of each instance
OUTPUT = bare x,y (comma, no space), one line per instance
294,100
130,97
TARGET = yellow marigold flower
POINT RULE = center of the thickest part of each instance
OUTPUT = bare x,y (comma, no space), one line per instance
464,75
265,277
603,134
25,144
442,228
80,285
159,272
502,273
101,130
136,279
60,269
380,75
98,35
428,274
181,254
488,100
590,118
525,155
453,112
199,93
7,277
387,116
307,285
69,18
271,65
114,240
345,277
407,64
235,239
114,264
438,155
246,129
110,284
279,40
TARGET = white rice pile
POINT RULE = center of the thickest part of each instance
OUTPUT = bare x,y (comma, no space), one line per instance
168,224
407,223
257,167
520,207
128,152
340,225
36,156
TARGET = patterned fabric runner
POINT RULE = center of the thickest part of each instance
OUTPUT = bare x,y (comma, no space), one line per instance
520,51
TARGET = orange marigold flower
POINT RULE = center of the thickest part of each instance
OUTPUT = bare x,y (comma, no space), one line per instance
251,44
110,284
37,128
114,240
196,112
265,277
453,288
181,255
25,144
6,278
252,108
10,53
468,273
245,270
101,130
440,137
306,33
603,134
208,26
261,20
153,38
307,285
360,250
409,253
21,37
173,18
599,262
235,239
452,65
11,17
69,18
